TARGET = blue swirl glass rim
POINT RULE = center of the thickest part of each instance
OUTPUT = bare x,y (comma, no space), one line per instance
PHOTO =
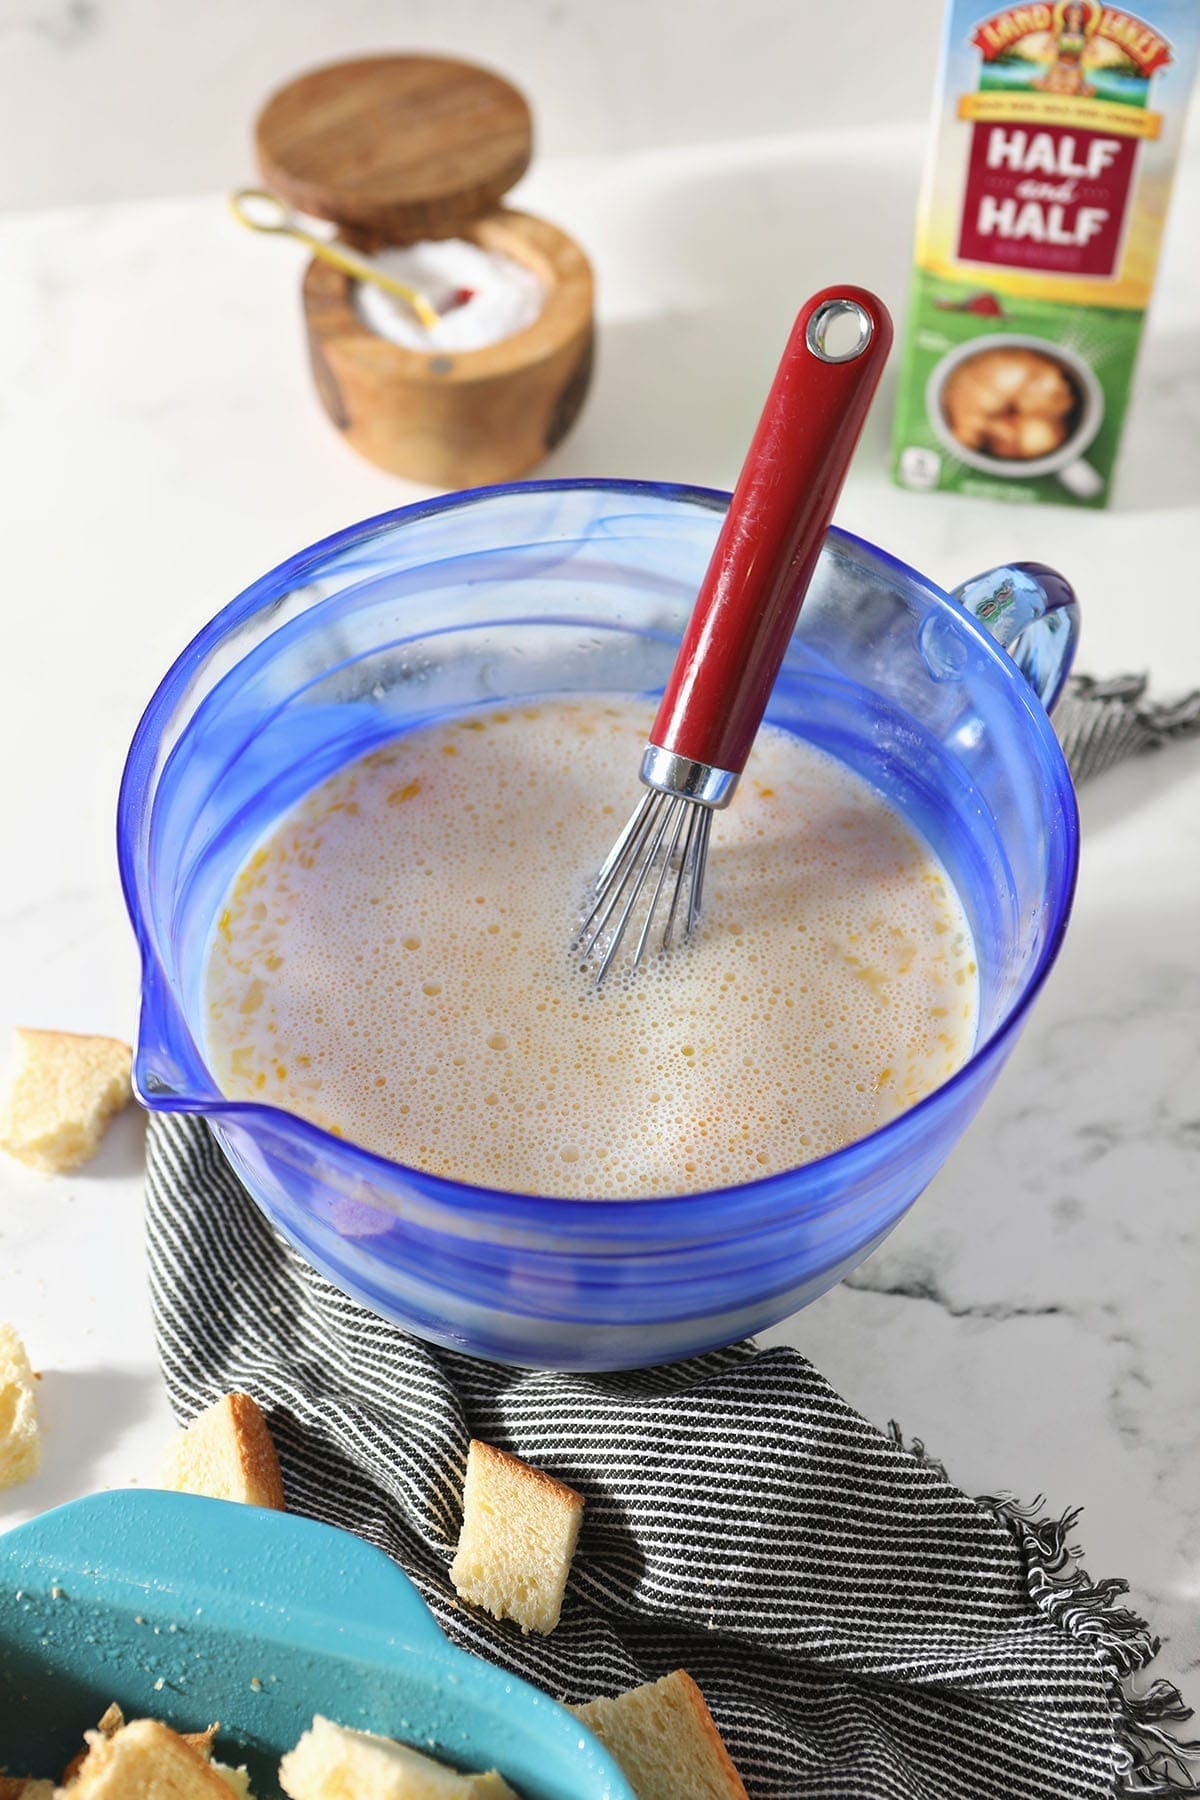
766,1202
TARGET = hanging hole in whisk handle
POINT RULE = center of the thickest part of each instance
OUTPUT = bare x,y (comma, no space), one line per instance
839,331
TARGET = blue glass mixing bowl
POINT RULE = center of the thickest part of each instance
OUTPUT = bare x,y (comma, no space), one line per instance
553,587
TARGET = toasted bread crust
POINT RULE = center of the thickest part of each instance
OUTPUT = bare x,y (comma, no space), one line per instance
495,1459
666,1740
38,1034
257,1456
227,1453
145,1761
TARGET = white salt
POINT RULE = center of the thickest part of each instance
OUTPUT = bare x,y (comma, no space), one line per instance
504,296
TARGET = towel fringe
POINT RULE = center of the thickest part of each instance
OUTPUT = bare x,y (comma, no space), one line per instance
916,1449
1162,718
1148,1759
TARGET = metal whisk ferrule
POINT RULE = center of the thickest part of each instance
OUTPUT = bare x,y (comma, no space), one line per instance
667,832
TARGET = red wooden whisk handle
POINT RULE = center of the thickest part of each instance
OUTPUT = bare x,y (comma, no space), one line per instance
768,547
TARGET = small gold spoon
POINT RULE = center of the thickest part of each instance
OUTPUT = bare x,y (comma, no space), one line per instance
260,210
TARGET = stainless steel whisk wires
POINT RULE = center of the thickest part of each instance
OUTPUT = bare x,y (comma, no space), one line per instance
741,623
650,840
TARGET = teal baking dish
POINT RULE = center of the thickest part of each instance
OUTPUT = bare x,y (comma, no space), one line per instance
196,1610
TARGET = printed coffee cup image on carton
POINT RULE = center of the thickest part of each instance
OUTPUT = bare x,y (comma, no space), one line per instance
1018,407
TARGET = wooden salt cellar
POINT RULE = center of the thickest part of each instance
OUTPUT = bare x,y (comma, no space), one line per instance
395,149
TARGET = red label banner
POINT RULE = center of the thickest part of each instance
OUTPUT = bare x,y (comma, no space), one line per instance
1046,197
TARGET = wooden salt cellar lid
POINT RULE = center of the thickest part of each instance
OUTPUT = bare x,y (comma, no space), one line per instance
395,147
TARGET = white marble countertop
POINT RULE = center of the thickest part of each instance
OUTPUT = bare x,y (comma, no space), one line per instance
1033,1319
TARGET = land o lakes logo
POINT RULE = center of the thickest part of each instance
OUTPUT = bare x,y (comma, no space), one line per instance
1057,119
1078,22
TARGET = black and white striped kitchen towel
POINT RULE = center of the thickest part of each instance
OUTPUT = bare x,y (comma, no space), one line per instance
1101,723
861,1629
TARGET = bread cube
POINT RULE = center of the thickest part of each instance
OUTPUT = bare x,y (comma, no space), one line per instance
519,1532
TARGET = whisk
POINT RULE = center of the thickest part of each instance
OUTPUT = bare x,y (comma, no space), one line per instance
743,617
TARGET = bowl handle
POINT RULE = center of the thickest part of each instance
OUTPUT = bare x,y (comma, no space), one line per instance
257,1568
1032,612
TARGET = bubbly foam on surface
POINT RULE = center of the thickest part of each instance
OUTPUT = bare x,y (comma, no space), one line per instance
392,963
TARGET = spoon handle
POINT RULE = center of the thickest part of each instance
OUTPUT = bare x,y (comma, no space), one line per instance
260,210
